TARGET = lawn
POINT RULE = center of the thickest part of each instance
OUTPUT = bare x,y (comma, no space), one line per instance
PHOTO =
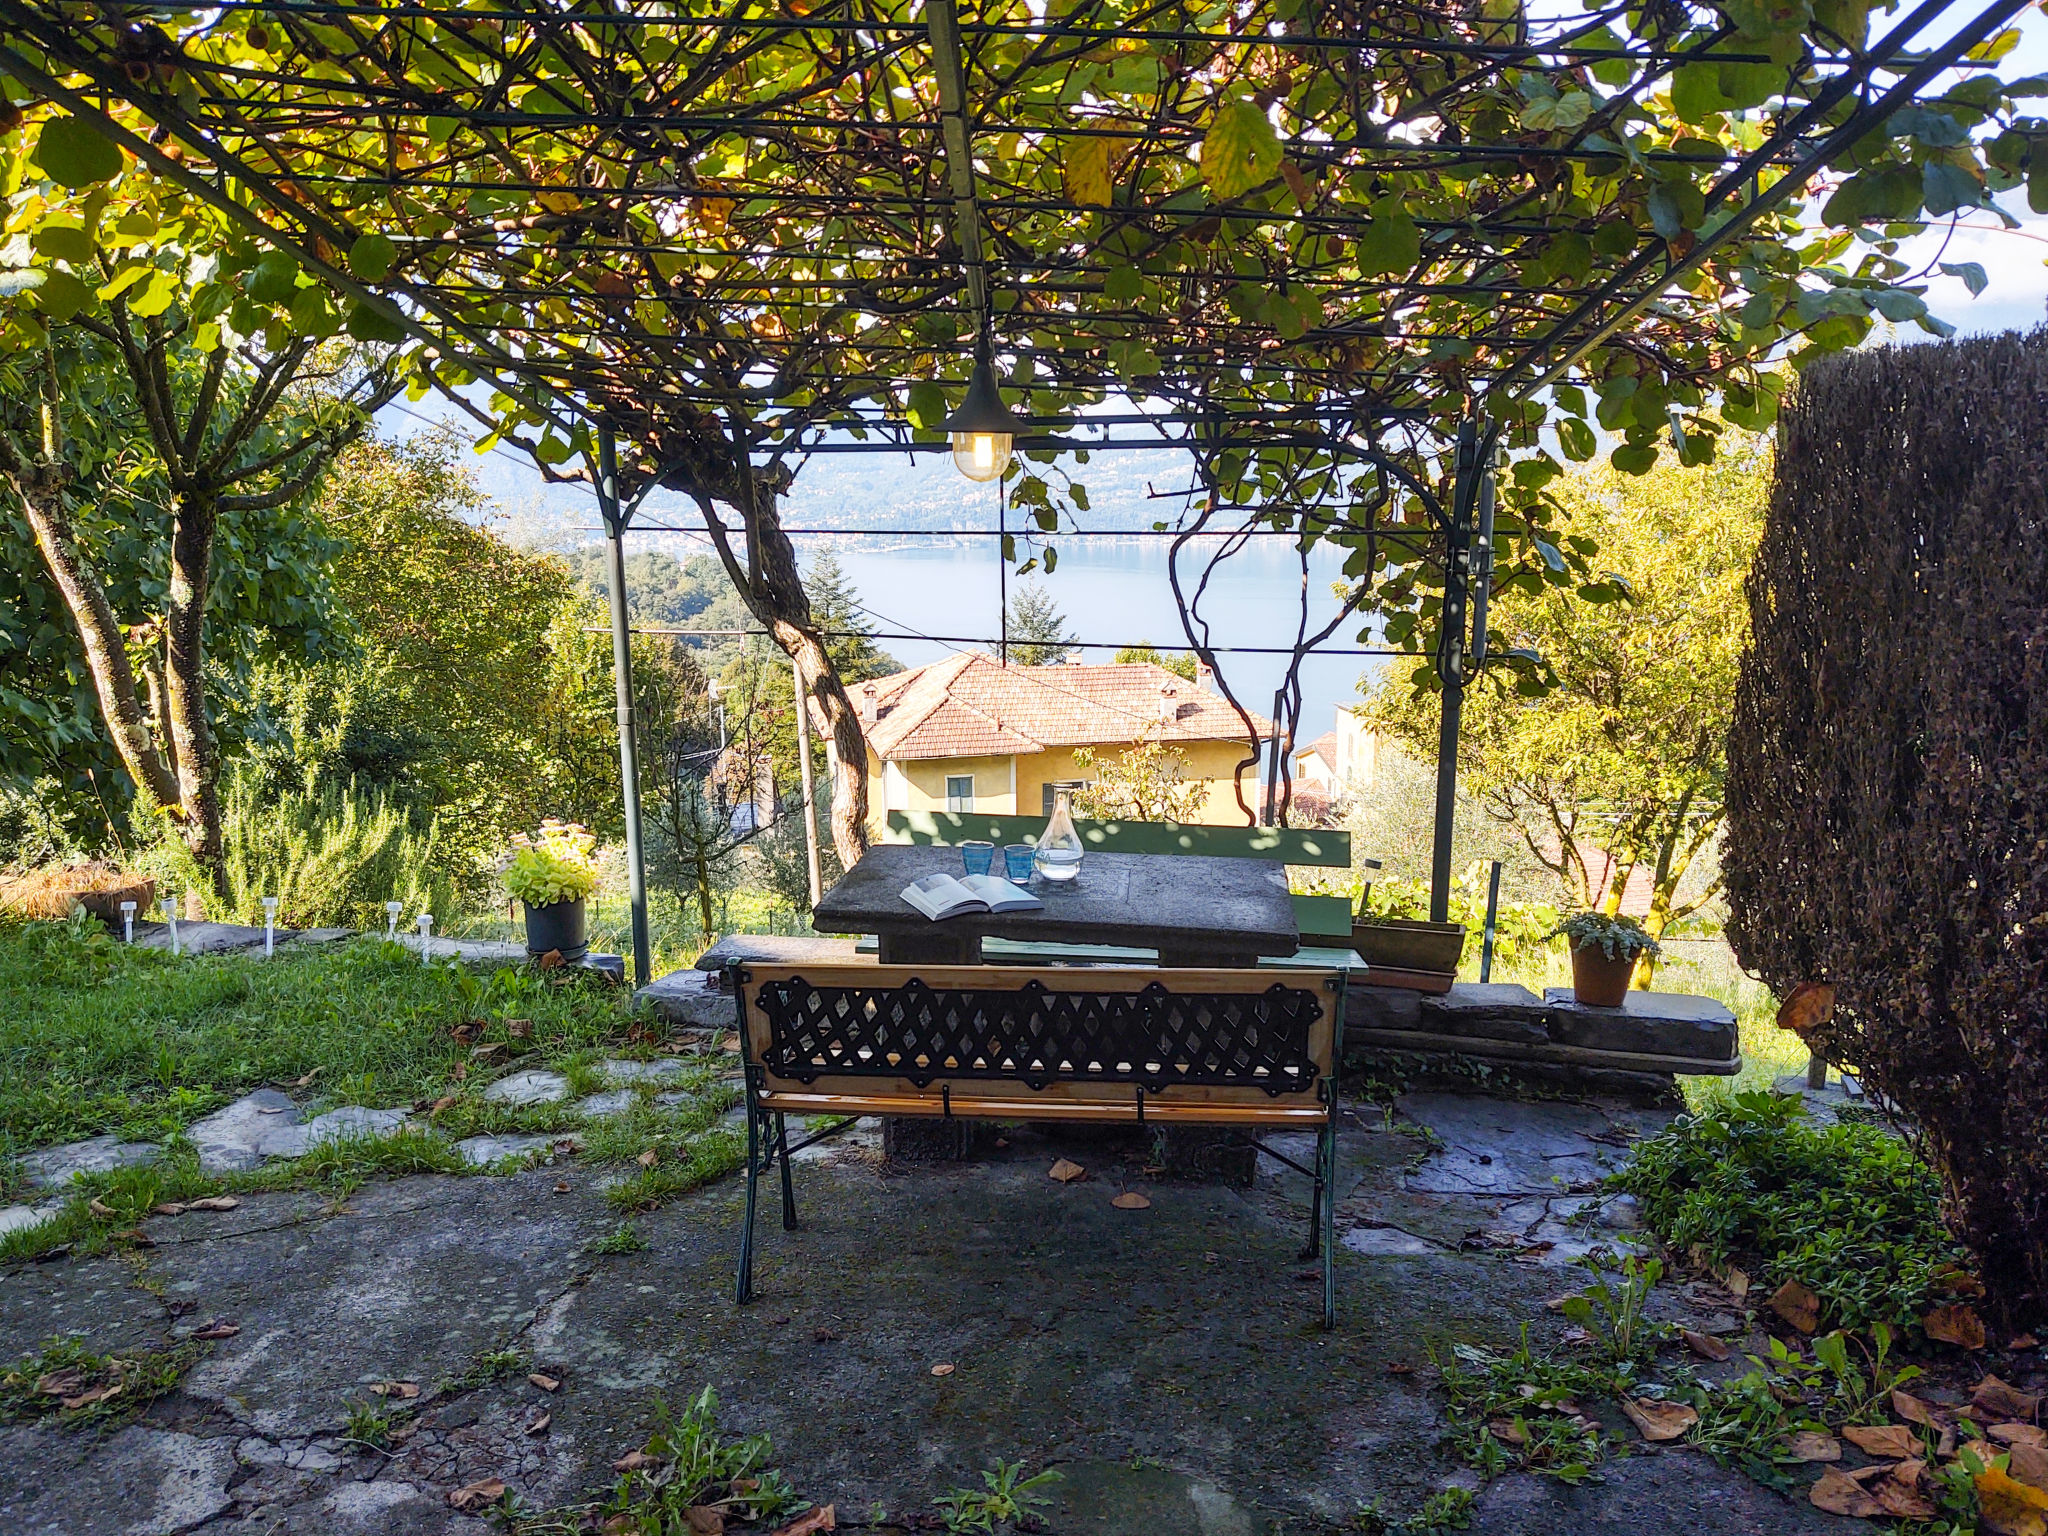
102,1038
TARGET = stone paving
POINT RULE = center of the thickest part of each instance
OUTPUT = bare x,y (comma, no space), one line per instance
1166,1360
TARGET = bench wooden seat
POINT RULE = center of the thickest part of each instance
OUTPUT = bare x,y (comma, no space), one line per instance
1247,1049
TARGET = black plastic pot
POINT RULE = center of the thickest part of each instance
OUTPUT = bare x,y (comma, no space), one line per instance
557,926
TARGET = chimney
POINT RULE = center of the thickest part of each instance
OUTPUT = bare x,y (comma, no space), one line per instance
865,705
1169,703
1205,677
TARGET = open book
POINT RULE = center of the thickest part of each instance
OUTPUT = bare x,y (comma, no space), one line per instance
938,896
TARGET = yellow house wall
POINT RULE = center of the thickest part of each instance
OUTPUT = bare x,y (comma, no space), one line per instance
921,785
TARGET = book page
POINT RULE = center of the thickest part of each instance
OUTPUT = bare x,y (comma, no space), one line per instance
938,896
1000,894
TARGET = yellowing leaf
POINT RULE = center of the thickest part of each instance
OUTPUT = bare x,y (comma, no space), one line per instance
559,202
1659,1420
2009,1507
1088,171
1240,150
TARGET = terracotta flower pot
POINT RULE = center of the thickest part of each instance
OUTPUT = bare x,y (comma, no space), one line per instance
1597,981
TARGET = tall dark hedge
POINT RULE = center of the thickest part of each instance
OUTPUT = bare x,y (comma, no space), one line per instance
1888,763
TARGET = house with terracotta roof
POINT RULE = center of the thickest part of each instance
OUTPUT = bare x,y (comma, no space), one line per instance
972,734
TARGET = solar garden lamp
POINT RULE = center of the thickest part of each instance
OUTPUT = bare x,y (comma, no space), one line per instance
127,922
983,429
269,926
391,911
170,906
426,924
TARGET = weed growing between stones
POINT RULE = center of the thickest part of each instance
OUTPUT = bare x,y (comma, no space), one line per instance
624,1238
1526,1411
1005,1500
710,1156
1445,1511
1846,1211
492,1365
369,1427
687,1464
70,1384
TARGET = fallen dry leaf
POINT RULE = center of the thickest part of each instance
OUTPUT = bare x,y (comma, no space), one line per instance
307,1080
1889,1440
459,1071
1737,1282
60,1383
99,1208
1899,1492
545,1383
943,1368
1659,1420
1955,1324
1400,1368
648,1158
1806,1006
1131,1200
2024,1341
823,1518
217,1331
1705,1345
1797,1305
478,1494
2001,1400
1958,1281
1066,1171
632,1461
1840,1494
1912,1410
402,1390
91,1395
214,1203
2018,1434
730,1043
551,961
705,1520
1507,1431
441,1103
540,1425
2029,1464
2008,1507
1812,1445
519,1029
489,1052
617,1524
171,1208
561,1186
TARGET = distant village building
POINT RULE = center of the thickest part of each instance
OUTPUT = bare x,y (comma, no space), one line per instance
971,734
1346,759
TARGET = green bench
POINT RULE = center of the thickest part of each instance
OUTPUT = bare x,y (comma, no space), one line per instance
1325,921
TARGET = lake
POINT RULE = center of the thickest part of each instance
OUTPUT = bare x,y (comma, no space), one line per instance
1115,593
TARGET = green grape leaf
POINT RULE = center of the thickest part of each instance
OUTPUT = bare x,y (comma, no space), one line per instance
75,154
1240,150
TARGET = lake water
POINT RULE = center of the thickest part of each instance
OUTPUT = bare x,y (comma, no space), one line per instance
1117,593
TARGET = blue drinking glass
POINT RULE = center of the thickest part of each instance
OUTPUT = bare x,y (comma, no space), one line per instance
977,857
1017,861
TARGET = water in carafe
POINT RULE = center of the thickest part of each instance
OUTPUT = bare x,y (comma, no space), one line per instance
1059,845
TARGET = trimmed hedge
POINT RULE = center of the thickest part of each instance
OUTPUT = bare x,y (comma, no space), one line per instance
1888,762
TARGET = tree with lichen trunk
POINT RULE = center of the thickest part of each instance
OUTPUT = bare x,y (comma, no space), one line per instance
1617,767
157,366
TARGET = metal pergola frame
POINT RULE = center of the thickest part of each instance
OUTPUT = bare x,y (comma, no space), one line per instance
954,235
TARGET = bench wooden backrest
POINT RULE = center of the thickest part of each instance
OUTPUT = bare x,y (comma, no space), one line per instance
1202,1032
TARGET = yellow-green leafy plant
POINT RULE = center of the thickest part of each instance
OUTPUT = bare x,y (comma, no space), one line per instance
556,864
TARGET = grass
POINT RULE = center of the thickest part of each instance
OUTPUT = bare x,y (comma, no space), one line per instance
104,1390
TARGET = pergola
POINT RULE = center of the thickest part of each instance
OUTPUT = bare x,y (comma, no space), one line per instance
1341,255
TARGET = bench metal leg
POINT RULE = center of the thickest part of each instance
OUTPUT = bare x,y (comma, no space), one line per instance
1328,1162
745,1289
780,1152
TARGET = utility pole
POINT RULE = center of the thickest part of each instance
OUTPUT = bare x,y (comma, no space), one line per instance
615,521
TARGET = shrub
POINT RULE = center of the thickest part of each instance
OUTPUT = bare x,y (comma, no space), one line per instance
1848,1211
1888,774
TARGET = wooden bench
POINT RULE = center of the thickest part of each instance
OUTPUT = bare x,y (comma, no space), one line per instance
1324,920
1252,1050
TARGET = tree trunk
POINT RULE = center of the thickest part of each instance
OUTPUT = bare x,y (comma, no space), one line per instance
40,492
189,731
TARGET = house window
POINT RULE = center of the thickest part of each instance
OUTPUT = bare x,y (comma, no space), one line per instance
960,792
1056,786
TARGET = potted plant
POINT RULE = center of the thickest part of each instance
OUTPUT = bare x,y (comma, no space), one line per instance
551,873
1604,954
1404,944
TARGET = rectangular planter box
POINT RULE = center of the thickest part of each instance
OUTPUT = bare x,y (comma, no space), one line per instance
1400,944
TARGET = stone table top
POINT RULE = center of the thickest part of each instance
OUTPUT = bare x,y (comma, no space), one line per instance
1180,904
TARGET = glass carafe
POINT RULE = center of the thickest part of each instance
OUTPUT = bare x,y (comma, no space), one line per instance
1059,845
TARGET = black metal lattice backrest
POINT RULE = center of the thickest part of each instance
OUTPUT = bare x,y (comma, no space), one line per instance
1151,1035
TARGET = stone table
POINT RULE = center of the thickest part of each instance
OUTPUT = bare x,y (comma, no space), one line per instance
1195,911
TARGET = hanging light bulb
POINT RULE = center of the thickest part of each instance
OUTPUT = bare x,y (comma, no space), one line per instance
983,430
